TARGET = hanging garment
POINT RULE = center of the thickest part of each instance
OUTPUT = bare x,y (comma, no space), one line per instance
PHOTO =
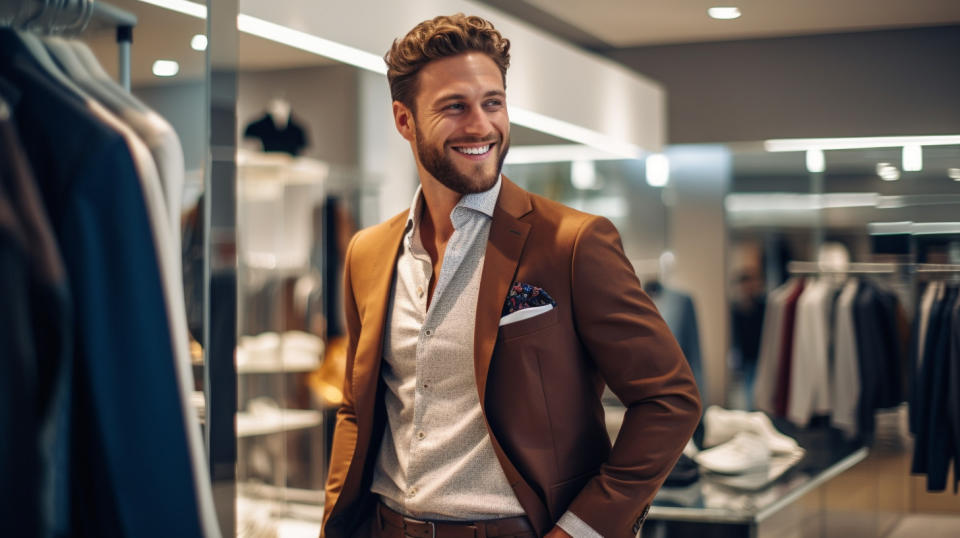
768,361
782,394
39,349
809,383
128,468
845,376
932,447
678,310
156,133
931,293
20,462
880,351
953,388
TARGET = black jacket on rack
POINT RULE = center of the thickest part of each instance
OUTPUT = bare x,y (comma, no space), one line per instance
934,447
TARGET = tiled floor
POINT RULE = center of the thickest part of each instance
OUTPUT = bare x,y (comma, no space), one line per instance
927,526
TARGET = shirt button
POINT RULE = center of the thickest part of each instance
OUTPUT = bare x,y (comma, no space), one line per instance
421,435
419,291
412,492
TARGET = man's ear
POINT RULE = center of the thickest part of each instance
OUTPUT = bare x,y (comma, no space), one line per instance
403,119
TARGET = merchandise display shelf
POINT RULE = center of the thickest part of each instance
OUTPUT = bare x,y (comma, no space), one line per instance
280,420
710,502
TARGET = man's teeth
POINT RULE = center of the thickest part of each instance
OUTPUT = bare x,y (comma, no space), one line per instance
475,151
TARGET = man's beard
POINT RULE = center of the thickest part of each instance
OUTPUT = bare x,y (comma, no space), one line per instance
441,166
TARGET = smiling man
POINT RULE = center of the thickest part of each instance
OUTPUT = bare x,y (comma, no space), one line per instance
482,325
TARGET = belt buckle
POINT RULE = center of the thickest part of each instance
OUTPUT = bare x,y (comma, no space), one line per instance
433,526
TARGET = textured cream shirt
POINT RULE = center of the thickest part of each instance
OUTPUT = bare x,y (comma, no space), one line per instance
436,460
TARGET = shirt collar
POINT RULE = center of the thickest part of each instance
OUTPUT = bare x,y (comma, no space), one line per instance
484,202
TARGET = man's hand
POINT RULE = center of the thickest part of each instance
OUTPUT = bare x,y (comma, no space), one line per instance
557,532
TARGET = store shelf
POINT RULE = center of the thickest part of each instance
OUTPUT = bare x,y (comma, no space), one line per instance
270,352
281,512
280,420
287,364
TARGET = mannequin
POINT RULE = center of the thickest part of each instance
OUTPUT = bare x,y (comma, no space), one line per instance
277,129
279,110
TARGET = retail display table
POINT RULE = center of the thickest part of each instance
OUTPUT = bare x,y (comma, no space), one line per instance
711,507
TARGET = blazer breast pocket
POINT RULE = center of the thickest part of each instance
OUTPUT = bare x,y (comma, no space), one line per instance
529,326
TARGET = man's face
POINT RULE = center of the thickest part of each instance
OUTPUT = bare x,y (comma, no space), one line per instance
461,127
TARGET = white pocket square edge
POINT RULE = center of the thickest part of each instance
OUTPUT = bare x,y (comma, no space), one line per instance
526,313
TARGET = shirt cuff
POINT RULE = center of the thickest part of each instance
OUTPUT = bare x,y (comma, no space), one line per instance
576,527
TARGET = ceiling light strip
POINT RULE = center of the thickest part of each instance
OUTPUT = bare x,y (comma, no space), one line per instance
556,153
575,133
181,6
311,43
804,144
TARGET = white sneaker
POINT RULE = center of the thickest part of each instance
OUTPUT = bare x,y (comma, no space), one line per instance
744,453
777,442
721,425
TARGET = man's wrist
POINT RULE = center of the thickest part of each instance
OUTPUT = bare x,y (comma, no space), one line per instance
576,527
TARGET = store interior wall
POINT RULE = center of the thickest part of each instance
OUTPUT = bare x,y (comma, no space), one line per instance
700,178
182,104
385,156
890,82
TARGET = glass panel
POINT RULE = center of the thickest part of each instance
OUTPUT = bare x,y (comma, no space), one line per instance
302,190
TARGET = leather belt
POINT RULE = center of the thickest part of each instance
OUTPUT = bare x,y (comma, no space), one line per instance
395,525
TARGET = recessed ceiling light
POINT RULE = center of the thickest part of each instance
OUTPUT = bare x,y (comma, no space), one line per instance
816,163
724,13
954,173
165,68
888,172
198,42
912,158
658,170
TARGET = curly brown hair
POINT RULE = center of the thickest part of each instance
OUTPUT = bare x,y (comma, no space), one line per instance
440,37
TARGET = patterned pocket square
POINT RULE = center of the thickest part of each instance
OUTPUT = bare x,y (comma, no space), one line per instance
523,296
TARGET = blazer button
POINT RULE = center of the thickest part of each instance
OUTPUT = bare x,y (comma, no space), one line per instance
428,332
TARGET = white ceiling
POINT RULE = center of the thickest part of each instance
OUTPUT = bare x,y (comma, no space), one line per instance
629,23
162,34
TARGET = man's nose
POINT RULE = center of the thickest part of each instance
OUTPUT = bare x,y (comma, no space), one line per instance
477,121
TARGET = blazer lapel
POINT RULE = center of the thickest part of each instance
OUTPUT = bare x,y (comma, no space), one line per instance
374,287
508,235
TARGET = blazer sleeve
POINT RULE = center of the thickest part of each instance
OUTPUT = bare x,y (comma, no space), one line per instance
345,433
643,365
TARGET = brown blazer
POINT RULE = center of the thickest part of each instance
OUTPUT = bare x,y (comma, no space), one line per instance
540,379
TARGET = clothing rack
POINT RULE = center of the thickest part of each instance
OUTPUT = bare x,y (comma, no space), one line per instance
73,16
815,268
124,22
937,268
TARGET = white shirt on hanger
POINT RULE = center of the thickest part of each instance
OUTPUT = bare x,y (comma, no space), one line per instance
809,392
926,303
845,378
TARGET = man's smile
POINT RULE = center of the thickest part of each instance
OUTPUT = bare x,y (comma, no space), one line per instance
475,153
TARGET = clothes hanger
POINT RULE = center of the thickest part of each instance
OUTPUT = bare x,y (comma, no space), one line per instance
98,74
34,47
